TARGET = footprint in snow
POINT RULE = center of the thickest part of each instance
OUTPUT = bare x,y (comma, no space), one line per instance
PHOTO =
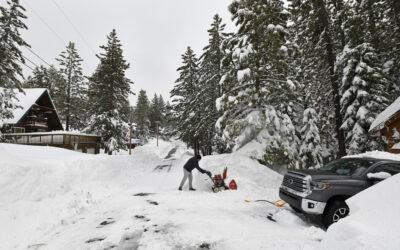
130,241
36,246
141,217
143,194
106,222
155,203
96,239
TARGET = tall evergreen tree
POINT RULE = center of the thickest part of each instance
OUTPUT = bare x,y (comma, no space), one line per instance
142,112
72,89
109,89
261,94
156,113
11,23
363,84
210,73
186,112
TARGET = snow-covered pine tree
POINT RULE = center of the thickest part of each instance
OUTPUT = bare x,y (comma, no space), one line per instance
39,79
363,85
141,117
326,39
11,23
210,73
109,89
73,89
390,25
257,102
310,147
156,113
310,76
186,112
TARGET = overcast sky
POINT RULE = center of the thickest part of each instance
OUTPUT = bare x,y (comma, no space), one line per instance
154,33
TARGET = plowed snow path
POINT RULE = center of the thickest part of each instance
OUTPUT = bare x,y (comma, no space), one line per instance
57,199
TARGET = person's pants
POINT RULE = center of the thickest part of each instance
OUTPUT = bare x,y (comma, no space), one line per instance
186,175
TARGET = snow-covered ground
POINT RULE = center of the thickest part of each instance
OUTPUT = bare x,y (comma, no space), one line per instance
53,198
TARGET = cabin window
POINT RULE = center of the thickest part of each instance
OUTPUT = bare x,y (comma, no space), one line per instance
18,130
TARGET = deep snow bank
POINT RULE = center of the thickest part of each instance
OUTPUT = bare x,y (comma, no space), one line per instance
374,221
53,198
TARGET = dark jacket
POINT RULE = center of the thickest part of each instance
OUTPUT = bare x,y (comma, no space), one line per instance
193,163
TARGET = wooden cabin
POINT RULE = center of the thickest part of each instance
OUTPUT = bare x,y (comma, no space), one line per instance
36,122
387,125
36,113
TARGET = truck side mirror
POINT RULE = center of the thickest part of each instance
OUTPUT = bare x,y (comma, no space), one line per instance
378,176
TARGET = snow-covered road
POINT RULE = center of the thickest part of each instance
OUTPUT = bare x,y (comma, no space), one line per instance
57,199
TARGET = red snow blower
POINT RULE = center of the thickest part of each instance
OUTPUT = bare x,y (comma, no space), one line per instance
219,182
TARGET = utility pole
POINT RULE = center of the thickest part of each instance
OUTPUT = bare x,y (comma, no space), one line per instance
157,124
130,139
130,130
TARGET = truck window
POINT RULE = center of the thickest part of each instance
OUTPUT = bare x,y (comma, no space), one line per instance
346,166
388,168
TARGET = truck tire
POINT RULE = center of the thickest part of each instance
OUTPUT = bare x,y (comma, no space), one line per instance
335,211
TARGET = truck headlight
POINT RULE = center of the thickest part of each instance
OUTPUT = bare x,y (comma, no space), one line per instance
319,185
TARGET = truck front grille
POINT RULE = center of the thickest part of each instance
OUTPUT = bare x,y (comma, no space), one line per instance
296,181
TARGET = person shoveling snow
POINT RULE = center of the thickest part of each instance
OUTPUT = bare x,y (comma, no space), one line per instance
191,164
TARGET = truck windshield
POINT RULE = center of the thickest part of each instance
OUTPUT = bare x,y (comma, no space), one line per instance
347,166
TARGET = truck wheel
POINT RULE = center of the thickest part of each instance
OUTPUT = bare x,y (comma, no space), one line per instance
336,211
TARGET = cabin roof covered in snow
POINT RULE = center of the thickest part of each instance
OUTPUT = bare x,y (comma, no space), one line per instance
25,102
388,113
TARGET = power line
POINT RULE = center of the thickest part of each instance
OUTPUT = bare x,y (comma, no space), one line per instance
73,26
25,65
29,60
40,58
45,23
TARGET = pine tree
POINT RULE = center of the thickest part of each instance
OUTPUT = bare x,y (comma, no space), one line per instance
72,89
39,79
156,113
109,89
363,84
184,92
260,92
142,116
11,23
210,73
310,148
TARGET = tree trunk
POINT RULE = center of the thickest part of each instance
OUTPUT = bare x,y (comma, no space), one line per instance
330,59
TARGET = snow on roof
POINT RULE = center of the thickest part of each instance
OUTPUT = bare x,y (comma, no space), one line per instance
396,146
55,132
377,155
386,114
25,101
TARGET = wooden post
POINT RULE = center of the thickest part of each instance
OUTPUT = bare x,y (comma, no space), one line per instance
130,139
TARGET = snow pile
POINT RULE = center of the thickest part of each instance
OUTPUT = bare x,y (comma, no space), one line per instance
53,198
378,155
374,220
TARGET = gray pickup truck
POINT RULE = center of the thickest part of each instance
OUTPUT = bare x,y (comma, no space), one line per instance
323,192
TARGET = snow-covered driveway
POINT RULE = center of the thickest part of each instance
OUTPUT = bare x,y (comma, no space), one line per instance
57,199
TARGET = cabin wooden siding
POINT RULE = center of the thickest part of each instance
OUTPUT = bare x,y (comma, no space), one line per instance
388,132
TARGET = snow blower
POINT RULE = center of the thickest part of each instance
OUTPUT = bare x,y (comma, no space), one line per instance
219,182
